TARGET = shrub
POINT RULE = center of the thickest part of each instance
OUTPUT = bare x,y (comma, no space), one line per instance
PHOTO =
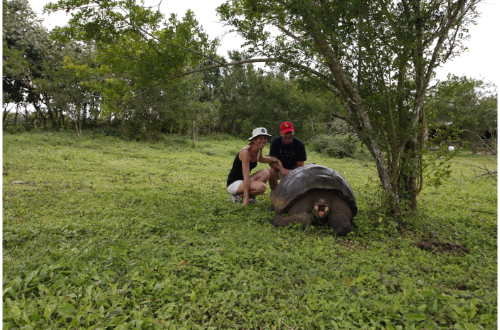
339,146
14,129
111,131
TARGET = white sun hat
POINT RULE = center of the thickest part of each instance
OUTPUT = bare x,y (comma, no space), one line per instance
258,131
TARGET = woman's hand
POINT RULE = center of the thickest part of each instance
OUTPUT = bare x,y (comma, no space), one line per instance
284,171
272,160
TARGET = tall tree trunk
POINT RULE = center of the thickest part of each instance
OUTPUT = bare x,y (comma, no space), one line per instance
78,121
78,126
5,113
62,120
50,114
40,115
474,146
26,116
15,116
194,131
84,117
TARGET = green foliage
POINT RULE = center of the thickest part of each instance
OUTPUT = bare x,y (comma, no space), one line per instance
103,233
340,141
147,105
104,21
15,129
251,98
25,45
436,166
67,85
336,145
465,106
136,53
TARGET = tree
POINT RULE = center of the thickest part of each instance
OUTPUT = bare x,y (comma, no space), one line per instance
138,61
465,105
178,49
25,45
377,56
67,84
187,96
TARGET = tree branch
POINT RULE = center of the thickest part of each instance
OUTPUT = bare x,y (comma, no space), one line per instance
343,118
221,65
290,34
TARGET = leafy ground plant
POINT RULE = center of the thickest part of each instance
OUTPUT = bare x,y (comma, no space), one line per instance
99,233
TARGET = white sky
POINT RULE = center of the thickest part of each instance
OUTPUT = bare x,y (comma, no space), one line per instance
480,61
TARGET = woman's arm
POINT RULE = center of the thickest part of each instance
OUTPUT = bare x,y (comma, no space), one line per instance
245,164
270,160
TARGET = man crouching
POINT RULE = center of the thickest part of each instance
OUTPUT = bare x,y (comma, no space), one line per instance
289,150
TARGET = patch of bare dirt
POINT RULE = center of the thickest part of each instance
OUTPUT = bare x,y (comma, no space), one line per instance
436,246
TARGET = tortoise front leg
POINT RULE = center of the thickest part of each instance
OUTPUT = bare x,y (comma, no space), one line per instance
340,216
340,220
303,218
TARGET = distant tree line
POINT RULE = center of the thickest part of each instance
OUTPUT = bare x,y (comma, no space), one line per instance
53,82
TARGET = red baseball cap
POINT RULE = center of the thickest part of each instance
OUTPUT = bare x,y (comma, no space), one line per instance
286,127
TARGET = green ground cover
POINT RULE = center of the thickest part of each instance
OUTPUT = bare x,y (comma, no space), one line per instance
101,233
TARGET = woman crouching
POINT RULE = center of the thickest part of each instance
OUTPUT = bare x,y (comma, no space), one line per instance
241,185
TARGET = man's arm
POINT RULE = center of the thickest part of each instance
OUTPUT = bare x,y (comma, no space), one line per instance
300,164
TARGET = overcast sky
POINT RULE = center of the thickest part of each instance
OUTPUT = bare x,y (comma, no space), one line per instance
480,61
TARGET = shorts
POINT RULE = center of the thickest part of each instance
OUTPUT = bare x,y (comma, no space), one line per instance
233,187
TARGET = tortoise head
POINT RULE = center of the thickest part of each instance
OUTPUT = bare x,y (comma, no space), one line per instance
321,208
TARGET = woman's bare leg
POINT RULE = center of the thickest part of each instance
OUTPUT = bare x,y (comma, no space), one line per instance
257,184
261,175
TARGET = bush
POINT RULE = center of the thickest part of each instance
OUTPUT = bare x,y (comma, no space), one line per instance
111,131
14,129
339,146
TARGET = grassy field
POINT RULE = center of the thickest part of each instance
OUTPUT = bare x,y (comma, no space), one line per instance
100,233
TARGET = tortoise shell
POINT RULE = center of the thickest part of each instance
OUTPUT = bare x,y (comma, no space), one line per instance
300,181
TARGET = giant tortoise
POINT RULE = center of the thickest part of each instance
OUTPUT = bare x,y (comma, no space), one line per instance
316,195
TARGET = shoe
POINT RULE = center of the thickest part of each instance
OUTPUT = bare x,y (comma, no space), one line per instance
236,199
253,201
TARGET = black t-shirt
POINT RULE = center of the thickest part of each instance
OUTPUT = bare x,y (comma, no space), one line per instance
289,154
236,172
